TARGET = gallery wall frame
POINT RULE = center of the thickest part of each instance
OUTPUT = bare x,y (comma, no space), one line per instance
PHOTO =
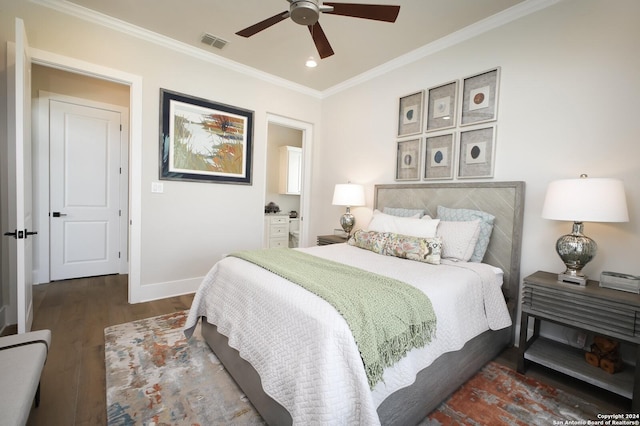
204,141
479,97
410,112
439,158
408,159
477,152
442,107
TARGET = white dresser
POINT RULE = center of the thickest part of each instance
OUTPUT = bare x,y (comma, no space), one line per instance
276,230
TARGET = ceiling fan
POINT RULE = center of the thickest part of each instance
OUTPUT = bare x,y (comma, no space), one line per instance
307,12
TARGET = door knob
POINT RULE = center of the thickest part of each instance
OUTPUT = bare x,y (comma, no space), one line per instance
18,235
58,214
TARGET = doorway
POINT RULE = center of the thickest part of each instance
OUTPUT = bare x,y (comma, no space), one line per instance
283,132
80,235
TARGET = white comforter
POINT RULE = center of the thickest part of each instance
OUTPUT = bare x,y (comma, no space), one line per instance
303,349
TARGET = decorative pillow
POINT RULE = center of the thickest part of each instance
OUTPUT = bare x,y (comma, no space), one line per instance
407,247
458,239
398,211
381,222
369,240
414,248
464,215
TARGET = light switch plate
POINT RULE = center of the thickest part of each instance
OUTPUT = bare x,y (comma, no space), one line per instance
157,187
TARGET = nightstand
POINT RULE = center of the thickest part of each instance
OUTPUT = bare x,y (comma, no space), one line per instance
324,240
591,309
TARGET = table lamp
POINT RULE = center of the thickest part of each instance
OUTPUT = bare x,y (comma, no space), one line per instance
582,200
349,195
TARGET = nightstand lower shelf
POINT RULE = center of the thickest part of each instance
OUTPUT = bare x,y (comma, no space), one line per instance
571,361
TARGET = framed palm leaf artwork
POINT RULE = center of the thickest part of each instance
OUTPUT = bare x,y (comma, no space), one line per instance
204,141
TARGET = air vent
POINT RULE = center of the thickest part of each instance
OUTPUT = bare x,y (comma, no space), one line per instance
214,41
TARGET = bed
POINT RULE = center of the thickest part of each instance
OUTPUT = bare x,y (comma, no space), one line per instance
293,356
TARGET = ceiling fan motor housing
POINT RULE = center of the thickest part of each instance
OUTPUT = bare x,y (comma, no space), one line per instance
304,12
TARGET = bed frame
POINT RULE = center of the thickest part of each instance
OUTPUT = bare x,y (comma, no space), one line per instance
504,200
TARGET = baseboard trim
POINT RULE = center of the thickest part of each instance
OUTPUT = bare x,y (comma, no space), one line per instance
156,291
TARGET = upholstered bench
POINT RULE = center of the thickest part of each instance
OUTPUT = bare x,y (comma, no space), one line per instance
22,358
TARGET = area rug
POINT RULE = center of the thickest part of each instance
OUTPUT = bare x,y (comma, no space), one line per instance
156,377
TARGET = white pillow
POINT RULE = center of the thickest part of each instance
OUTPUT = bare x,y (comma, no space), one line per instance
458,238
412,226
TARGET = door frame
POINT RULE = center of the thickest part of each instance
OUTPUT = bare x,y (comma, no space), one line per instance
41,157
52,60
307,149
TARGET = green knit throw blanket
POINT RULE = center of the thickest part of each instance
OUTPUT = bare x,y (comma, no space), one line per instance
387,317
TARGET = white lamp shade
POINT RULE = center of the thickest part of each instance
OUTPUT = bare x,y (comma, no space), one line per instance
348,194
586,200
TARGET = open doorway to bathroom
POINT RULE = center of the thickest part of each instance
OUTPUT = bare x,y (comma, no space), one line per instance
283,186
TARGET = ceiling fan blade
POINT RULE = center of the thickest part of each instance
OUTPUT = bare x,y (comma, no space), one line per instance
320,40
263,25
377,12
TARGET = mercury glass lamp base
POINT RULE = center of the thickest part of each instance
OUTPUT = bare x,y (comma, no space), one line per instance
575,250
347,221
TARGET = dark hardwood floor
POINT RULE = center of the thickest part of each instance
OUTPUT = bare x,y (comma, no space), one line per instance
77,311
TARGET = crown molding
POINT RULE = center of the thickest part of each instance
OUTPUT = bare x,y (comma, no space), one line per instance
506,16
499,19
72,9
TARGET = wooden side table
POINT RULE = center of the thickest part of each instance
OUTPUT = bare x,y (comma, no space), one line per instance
324,240
591,309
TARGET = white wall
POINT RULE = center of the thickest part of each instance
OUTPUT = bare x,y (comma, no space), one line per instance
568,92
568,105
191,225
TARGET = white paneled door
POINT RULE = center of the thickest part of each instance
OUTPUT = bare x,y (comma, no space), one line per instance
84,190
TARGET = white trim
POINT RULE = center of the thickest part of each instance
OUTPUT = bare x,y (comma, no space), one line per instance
515,12
41,177
504,17
83,13
307,149
134,82
157,291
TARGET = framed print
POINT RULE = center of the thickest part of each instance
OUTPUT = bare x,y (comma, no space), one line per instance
441,106
408,160
439,156
477,151
410,114
480,98
204,141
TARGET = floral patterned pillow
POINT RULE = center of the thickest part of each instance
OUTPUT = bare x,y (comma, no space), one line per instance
421,249
415,248
369,240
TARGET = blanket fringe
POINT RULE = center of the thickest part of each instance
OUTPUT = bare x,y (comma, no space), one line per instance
396,348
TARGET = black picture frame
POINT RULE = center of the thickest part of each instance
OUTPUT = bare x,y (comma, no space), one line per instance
204,141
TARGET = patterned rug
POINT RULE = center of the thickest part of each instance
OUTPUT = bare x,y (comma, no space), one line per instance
156,377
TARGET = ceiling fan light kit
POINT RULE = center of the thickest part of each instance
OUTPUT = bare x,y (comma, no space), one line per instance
307,13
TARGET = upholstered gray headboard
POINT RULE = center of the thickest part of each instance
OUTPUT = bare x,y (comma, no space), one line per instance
504,200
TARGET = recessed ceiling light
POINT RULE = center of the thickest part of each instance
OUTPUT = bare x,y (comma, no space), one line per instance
311,63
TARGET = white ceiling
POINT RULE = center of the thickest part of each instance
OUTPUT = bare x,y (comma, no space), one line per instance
281,50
